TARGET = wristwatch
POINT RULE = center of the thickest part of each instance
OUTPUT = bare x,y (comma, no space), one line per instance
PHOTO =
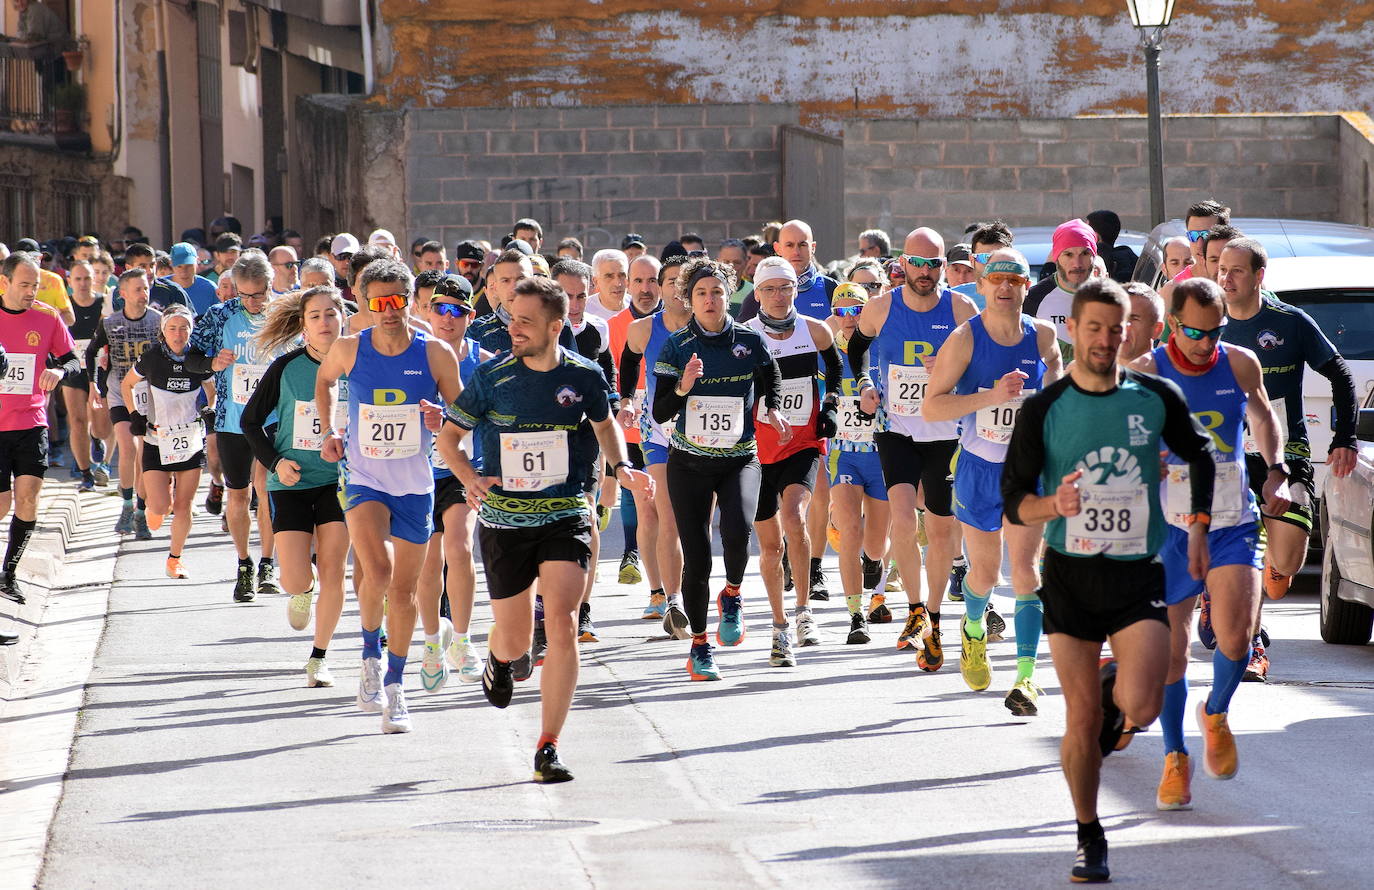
615,467
1194,518
1282,467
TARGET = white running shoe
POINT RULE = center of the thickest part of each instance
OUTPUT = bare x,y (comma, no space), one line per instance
371,695
434,669
395,716
298,609
807,635
463,657
317,673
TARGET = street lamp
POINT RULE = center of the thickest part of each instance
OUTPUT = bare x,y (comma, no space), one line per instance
1152,17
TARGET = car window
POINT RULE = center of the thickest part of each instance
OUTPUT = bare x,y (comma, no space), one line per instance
1345,316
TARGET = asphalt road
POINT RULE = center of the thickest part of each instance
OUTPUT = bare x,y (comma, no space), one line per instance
202,760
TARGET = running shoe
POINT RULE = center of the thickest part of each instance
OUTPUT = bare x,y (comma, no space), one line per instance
463,658
243,586
807,634
175,568
97,452
657,608
298,609
701,662
125,524
675,623
973,661
154,519
395,715
916,621
1276,585
548,769
603,517
371,695
781,654
101,474
1257,671
820,592
932,655
1264,637
955,594
1175,785
1091,865
9,588
141,530
87,482
995,624
1113,721
878,612
540,644
1219,757
522,668
433,668
629,568
1021,700
498,683
730,632
1205,635
873,572
8,639
586,631
267,579
214,500
858,630
894,580
317,674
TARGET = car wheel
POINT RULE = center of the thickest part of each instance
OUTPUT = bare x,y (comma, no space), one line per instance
1342,622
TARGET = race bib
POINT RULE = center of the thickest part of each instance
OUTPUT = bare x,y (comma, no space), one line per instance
341,407
995,423
794,403
180,443
140,405
306,432
21,375
1112,520
852,426
81,348
1229,497
534,461
714,421
906,389
246,380
388,432
1281,410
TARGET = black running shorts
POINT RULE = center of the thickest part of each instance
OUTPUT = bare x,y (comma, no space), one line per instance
22,453
511,556
795,469
923,464
1093,597
304,509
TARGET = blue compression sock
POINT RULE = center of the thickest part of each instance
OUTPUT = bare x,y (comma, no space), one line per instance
974,607
1171,717
372,643
1226,676
395,667
1029,618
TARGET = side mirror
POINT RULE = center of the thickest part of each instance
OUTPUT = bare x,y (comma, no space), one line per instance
1364,427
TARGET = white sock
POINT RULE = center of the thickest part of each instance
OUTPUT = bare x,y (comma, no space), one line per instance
432,640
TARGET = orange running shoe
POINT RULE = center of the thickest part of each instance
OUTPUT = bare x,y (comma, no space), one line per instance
1276,585
1175,786
1219,758
174,568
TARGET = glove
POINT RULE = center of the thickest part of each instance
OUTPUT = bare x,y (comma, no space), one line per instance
207,417
826,425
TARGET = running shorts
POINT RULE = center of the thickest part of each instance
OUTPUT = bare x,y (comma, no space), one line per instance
511,556
1093,597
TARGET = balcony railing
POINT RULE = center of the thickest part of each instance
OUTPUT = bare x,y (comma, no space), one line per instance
28,77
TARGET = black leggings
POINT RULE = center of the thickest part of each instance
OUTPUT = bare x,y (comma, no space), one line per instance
693,483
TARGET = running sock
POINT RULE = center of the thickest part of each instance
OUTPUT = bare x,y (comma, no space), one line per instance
171,555
142,504
1025,667
1226,676
855,603
1171,716
1090,831
372,642
316,652
265,561
1029,619
699,639
975,605
20,532
675,601
629,518
657,591
784,625
395,667
934,619
547,738
815,565
432,640
246,561
127,494
960,562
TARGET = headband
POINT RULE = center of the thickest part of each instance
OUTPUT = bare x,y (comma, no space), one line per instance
1007,267
706,272
778,268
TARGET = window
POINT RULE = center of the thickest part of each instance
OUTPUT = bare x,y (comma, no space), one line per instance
16,210
73,207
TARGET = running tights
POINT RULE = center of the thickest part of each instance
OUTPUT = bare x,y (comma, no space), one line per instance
694,483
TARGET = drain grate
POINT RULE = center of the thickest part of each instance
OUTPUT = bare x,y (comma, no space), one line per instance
488,825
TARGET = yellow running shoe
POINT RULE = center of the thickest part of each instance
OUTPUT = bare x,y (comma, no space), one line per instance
1219,759
973,661
1175,786
1021,700
894,580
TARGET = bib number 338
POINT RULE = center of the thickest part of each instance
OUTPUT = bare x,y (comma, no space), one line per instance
1112,520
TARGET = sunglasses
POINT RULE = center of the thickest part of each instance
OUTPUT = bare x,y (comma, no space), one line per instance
694,254
921,262
847,311
983,257
1000,278
390,301
453,310
469,264
1200,333
294,264
342,257
1196,235
872,287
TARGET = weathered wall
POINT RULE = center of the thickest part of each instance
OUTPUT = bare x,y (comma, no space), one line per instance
876,58
350,167
1357,169
39,168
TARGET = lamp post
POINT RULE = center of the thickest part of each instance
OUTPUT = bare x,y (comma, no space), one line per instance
1152,17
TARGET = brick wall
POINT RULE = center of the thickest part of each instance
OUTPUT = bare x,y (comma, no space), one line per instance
1357,169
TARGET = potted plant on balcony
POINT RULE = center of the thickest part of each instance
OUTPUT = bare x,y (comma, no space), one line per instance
69,102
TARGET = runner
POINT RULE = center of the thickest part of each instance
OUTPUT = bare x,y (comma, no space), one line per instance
124,335
386,483
31,340
709,376
858,496
907,328
1091,441
1073,250
228,331
984,372
528,408
302,487
490,330
174,445
449,571
76,390
1145,323
1285,338
1224,388
802,347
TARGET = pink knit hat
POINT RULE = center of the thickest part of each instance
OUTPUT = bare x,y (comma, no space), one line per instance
1074,233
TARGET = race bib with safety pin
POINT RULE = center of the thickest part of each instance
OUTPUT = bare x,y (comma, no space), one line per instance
534,461
180,443
794,403
995,423
906,389
20,376
140,405
853,426
1229,497
1251,446
388,432
246,380
714,421
306,434
1112,520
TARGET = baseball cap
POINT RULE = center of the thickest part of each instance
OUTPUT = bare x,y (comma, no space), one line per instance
468,250
456,287
343,243
381,236
961,254
633,239
27,244
184,254
521,245
88,241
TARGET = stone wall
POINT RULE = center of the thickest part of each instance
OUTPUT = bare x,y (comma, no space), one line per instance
43,172
1356,178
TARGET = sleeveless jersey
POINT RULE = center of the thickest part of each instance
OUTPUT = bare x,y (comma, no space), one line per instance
651,430
387,442
987,432
471,445
798,363
852,432
906,337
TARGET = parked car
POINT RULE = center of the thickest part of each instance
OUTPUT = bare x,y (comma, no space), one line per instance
1347,518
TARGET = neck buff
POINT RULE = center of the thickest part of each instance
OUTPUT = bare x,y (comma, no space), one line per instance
806,278
504,314
781,325
1183,364
698,328
635,313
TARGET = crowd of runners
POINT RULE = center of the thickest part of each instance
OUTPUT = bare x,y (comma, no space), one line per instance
930,414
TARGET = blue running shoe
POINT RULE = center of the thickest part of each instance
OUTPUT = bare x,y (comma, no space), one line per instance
125,524
701,663
731,606
97,451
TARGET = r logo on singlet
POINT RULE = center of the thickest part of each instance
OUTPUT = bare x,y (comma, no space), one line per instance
913,351
388,396
1135,426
